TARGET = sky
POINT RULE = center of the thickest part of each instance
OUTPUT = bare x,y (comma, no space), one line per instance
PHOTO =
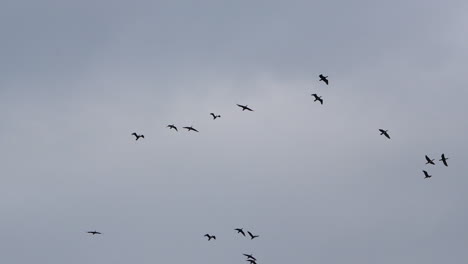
317,183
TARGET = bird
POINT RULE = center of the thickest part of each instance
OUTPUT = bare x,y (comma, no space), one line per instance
323,78
251,236
172,127
384,132
138,136
239,230
244,107
444,160
214,116
318,98
210,237
426,175
94,232
251,261
190,128
429,161
250,257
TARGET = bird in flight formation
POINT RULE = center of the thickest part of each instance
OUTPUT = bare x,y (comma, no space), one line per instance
210,237
172,127
137,136
323,78
250,257
190,128
426,175
215,116
94,232
318,98
429,161
251,261
240,231
244,107
384,132
251,235
444,160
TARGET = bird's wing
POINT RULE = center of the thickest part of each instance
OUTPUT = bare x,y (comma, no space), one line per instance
176,129
248,108
428,159
250,234
194,130
387,135
326,81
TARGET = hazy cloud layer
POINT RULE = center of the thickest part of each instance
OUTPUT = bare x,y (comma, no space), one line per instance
317,183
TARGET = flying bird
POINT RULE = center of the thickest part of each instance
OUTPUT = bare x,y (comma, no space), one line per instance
426,175
444,160
94,232
323,78
215,116
190,128
384,132
210,237
239,230
137,136
429,161
244,107
318,98
250,257
172,127
251,236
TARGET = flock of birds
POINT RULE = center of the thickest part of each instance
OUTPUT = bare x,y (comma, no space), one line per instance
250,258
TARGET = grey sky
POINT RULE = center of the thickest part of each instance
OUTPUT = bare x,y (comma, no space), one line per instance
317,183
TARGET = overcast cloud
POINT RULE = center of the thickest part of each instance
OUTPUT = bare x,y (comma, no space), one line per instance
317,183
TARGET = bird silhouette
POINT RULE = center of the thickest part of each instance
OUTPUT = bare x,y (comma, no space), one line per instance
323,78
137,136
94,232
429,161
384,132
426,175
172,127
215,116
239,230
210,237
244,107
251,236
318,98
444,160
190,128
251,261
250,257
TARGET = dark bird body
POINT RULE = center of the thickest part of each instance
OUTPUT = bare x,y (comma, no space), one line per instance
384,132
251,235
190,128
138,136
172,127
426,175
240,231
318,98
250,257
323,78
244,107
215,116
94,233
429,161
210,237
444,160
